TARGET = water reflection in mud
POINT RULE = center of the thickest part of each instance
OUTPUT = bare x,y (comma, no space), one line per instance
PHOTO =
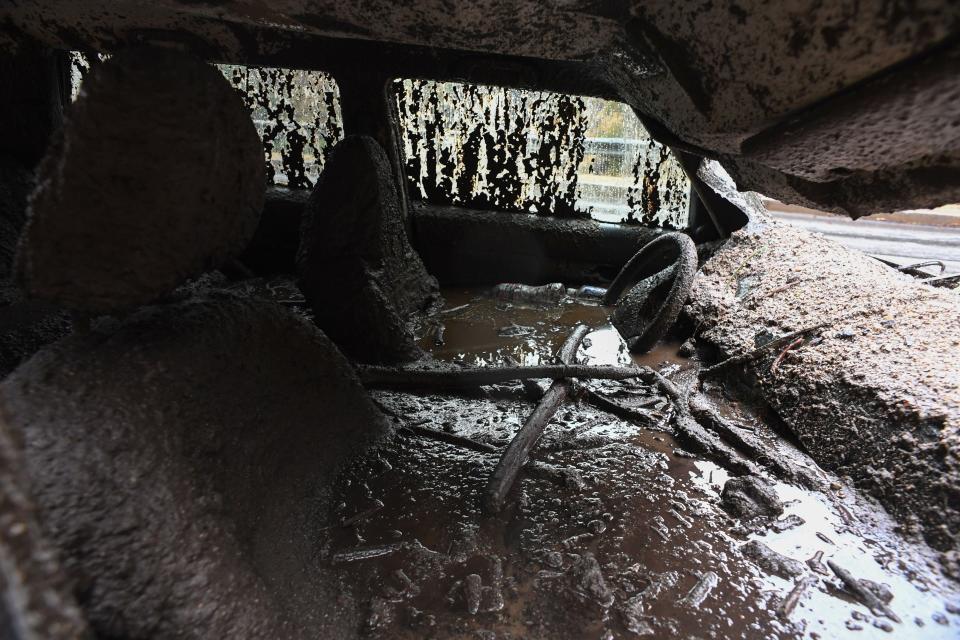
639,547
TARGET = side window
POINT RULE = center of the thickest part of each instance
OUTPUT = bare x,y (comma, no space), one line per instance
297,114
537,152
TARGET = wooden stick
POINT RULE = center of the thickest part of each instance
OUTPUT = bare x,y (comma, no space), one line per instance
793,598
398,377
877,606
558,475
753,353
526,438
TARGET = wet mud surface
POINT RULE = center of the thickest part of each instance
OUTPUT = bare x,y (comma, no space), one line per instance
618,532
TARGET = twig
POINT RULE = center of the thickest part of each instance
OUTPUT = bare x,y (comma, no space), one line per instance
783,354
629,413
753,353
453,309
451,438
864,595
395,377
564,477
526,438
784,339
793,598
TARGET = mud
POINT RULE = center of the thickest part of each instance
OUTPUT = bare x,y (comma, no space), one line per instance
182,483
642,548
36,599
367,287
148,185
873,392
490,148
760,89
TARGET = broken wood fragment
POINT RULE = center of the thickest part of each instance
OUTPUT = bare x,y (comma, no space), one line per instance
701,590
793,598
634,414
866,597
526,438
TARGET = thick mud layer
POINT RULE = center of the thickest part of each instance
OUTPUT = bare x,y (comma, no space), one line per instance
869,377
617,532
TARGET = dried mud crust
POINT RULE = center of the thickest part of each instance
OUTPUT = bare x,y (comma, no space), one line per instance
873,394
181,461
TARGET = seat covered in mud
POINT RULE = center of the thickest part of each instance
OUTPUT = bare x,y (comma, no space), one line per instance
364,282
180,460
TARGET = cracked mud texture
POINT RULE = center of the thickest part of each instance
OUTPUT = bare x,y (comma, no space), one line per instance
156,177
875,394
366,286
181,480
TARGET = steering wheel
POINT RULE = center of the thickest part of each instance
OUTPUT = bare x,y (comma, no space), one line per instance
651,289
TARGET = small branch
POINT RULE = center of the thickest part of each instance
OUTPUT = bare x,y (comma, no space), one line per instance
453,439
793,598
526,438
877,606
783,354
395,377
628,413
570,478
776,342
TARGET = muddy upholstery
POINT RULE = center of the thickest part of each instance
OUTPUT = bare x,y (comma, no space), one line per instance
181,476
158,176
364,282
35,596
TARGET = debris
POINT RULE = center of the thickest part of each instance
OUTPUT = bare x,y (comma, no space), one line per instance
634,414
588,293
563,476
472,592
793,598
771,561
783,354
408,377
786,338
701,591
527,436
515,331
792,521
364,514
365,553
750,497
552,293
816,564
589,581
864,594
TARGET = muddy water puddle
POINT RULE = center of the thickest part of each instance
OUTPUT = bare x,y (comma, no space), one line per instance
637,546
